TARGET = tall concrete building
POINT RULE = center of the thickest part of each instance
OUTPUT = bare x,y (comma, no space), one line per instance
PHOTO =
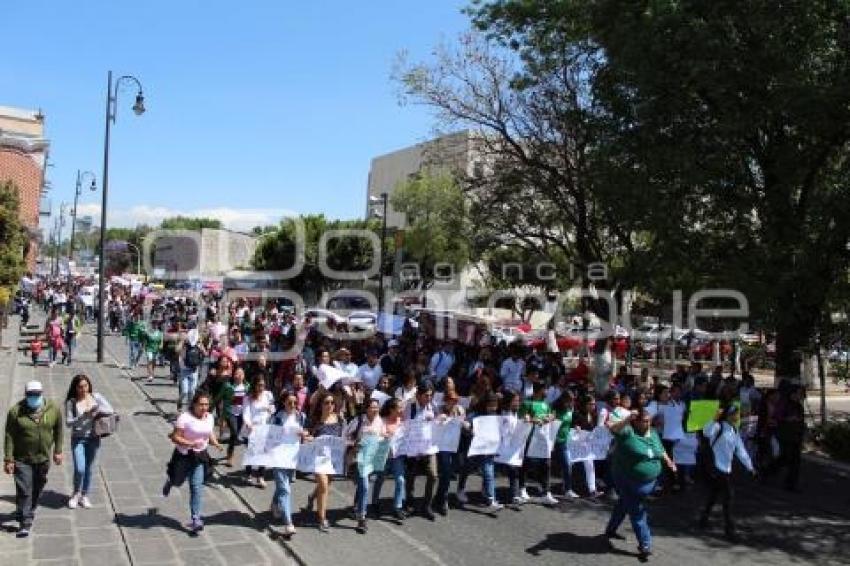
203,253
23,157
454,153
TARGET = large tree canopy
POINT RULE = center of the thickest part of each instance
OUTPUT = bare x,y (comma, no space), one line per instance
12,236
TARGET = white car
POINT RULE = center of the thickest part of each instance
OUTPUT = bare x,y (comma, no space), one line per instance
322,316
508,335
362,320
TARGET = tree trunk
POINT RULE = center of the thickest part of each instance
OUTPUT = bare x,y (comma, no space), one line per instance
790,338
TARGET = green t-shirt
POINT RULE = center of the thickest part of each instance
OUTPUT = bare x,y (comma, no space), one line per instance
637,457
566,418
536,409
134,330
153,341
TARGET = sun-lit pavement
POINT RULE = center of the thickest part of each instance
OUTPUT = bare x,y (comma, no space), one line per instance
132,523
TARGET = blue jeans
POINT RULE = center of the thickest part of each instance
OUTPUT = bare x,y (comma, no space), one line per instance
488,475
395,466
566,466
361,494
188,384
196,489
445,471
84,450
283,492
135,353
632,497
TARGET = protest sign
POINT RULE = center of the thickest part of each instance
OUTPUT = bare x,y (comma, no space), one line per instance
512,444
685,451
446,435
328,375
324,455
272,446
600,442
372,454
418,439
485,435
543,440
579,446
701,413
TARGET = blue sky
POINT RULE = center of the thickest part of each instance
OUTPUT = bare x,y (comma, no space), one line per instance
252,106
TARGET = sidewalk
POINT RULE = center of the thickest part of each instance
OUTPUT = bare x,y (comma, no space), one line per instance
130,522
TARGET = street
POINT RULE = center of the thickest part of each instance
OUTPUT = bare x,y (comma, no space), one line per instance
131,523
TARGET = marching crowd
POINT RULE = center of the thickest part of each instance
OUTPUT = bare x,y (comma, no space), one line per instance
243,364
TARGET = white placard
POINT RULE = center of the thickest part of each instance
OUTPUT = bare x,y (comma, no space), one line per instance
579,446
328,375
485,435
600,442
446,434
543,440
514,439
418,439
685,451
273,446
323,455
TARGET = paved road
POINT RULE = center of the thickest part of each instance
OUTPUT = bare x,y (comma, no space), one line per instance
134,524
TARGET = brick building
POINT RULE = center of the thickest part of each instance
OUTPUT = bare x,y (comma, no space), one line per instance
23,155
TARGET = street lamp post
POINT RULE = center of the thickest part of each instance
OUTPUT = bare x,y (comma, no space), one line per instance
111,113
136,249
77,193
382,200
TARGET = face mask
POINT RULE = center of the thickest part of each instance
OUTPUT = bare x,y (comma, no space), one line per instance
34,401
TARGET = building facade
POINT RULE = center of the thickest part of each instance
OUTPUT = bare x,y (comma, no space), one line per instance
188,254
23,158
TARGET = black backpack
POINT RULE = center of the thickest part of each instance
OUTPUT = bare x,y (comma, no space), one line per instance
193,357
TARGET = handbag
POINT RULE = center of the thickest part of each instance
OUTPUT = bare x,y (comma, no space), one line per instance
105,425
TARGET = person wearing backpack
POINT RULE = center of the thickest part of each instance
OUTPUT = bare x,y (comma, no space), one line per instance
193,357
726,444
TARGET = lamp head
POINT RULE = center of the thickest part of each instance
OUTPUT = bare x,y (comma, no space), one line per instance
93,186
375,200
139,106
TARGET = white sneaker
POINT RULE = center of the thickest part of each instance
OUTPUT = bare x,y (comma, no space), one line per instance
84,502
73,501
461,497
572,495
494,506
518,500
547,499
523,494
289,529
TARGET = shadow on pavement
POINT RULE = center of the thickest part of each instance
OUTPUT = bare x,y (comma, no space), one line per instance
576,544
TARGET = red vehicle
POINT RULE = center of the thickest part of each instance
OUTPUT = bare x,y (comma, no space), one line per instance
566,342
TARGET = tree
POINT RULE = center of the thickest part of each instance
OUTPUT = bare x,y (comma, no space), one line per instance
277,250
535,124
189,223
13,239
733,119
437,233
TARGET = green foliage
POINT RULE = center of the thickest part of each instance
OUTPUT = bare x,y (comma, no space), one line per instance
835,440
437,226
277,251
188,223
13,238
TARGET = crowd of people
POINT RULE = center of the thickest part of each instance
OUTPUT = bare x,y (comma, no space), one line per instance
245,363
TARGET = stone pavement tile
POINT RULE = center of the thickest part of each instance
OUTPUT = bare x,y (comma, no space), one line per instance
246,553
124,489
202,557
53,546
16,558
68,561
54,525
154,551
94,517
113,555
93,536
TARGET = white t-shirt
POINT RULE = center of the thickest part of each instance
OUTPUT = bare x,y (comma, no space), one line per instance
672,413
194,429
257,411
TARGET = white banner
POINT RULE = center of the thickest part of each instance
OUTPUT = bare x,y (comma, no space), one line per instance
485,435
417,439
446,434
324,455
514,438
584,445
543,440
272,446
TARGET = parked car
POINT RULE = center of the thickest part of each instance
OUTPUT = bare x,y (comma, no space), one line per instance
839,355
362,320
508,335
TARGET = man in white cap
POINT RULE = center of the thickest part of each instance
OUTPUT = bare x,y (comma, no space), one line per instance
33,435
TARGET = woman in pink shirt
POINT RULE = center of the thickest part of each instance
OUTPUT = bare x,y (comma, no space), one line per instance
192,433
